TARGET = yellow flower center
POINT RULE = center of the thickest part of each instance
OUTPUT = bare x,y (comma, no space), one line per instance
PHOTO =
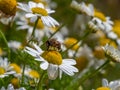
2,70
116,27
1,52
103,88
34,74
40,24
99,53
104,41
8,7
82,62
15,82
40,11
53,57
69,42
16,67
54,28
99,15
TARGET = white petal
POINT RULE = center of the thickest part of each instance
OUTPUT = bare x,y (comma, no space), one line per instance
54,21
44,65
69,61
29,15
38,48
20,23
11,72
60,73
32,4
66,70
40,58
50,21
52,71
40,5
50,11
22,27
33,19
24,7
45,21
104,82
10,87
32,50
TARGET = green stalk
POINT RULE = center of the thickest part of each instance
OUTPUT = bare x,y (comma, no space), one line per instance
36,22
6,43
78,81
39,86
23,74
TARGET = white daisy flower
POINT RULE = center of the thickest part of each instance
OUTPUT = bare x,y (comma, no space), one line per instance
5,68
102,22
87,9
35,10
52,62
97,24
41,30
112,52
106,26
113,85
11,87
32,74
14,45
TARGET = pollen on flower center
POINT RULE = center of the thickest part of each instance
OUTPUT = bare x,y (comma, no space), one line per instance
34,74
8,7
100,15
53,57
103,88
16,67
40,11
2,71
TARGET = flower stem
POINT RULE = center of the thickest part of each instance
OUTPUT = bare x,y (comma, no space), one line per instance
36,22
8,49
80,80
23,74
39,86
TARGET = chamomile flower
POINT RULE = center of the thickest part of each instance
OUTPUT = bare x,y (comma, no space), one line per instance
104,25
17,69
113,53
99,19
14,45
113,85
35,10
52,61
97,24
5,68
32,74
82,7
11,87
41,29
